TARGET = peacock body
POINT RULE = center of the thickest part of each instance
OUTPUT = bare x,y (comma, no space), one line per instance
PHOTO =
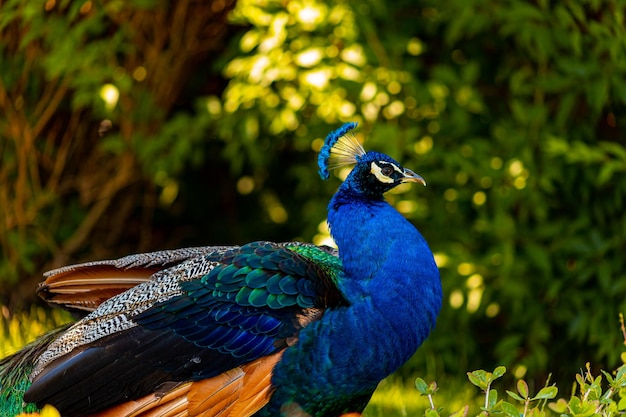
264,329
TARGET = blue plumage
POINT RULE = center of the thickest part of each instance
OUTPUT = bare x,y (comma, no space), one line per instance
303,330
392,284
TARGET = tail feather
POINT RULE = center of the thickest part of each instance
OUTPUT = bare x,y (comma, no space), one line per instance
240,392
14,375
81,288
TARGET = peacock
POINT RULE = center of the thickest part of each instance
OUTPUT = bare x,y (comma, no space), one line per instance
261,329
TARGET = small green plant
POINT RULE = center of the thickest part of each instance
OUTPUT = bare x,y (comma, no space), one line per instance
428,390
483,380
602,395
592,399
523,395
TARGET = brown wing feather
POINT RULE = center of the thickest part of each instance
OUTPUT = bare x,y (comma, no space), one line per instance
86,287
240,392
257,380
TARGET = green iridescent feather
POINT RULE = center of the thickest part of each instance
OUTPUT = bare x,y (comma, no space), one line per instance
14,376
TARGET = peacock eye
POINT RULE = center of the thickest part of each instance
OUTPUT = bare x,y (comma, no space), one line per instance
386,170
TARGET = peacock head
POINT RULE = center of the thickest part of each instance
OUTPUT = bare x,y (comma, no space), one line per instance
373,174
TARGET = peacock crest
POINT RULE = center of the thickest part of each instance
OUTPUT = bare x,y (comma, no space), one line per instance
341,148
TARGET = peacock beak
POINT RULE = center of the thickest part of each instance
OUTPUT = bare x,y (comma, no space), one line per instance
410,176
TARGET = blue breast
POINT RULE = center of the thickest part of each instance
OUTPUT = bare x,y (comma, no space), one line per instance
392,284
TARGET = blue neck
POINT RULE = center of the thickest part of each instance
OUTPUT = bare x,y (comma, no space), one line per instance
392,283
385,260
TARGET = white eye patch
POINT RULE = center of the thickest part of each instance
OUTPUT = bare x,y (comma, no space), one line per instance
378,173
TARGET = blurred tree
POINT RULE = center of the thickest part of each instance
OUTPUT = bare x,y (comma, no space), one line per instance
512,110
66,67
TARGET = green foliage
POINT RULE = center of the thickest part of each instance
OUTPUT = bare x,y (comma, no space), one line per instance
513,111
66,183
546,232
603,394
593,397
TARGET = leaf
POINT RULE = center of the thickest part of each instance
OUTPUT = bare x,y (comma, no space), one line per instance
522,388
620,377
608,170
461,413
421,386
519,109
478,378
539,256
498,372
431,413
608,377
581,408
509,409
614,149
432,388
565,109
559,407
546,393
621,405
527,12
514,396
597,94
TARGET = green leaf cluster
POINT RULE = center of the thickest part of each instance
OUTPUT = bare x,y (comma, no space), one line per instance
593,396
